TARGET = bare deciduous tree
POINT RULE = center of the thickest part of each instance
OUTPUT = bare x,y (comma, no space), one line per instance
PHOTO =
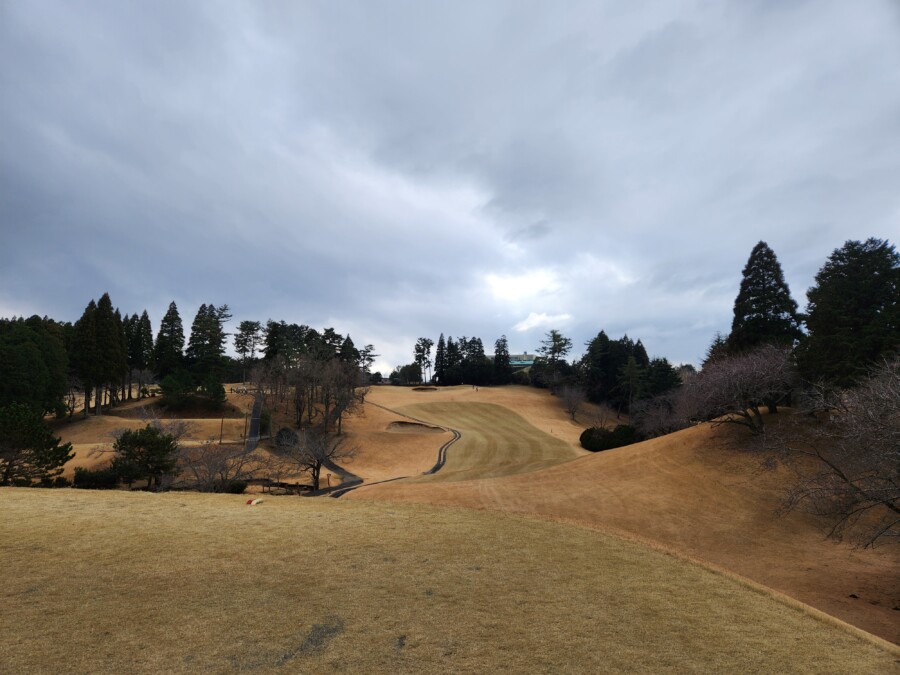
211,466
312,450
660,415
732,390
847,461
571,397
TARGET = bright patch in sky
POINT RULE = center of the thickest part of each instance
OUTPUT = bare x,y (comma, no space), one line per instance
542,320
512,287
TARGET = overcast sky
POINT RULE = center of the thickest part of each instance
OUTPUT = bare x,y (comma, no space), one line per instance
402,169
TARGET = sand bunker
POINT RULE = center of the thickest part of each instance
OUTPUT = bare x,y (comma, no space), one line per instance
413,428
425,388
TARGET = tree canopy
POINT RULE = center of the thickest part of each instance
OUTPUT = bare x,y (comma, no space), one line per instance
167,352
28,450
853,315
764,311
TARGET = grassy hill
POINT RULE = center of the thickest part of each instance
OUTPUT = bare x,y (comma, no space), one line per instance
700,493
179,582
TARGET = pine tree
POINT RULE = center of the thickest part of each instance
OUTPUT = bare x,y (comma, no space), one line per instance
85,354
764,311
718,349
144,338
853,315
246,341
453,371
123,377
440,360
502,367
660,378
422,355
110,345
167,352
28,449
640,354
631,381
207,343
594,365
349,353
33,364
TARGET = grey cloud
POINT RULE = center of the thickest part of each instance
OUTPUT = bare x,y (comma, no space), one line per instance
367,165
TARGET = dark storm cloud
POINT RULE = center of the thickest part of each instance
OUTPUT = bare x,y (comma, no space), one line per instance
401,169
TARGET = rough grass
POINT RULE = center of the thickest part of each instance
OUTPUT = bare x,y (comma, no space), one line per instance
136,582
495,441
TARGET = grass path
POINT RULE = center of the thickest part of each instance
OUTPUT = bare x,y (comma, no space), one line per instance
495,441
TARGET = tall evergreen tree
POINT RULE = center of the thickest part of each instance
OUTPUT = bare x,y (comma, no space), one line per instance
502,367
440,360
718,349
422,355
660,378
206,346
553,349
33,364
453,371
631,382
167,352
85,353
640,354
142,348
853,315
348,353
764,311
110,345
123,378
246,341
594,366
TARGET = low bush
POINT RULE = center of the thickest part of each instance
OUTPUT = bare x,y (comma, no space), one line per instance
96,479
286,438
596,439
233,487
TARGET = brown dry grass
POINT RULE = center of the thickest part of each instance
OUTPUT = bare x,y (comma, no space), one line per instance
136,582
701,494
92,437
695,493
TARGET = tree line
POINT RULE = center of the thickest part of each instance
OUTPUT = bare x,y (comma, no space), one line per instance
53,367
617,372
837,362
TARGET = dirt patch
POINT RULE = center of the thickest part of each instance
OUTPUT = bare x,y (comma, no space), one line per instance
425,388
413,428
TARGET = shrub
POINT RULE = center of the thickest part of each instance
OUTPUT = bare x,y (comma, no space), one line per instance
286,438
233,487
213,391
96,479
58,482
265,421
177,389
596,439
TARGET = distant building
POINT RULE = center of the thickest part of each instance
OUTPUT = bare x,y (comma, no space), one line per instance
519,361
